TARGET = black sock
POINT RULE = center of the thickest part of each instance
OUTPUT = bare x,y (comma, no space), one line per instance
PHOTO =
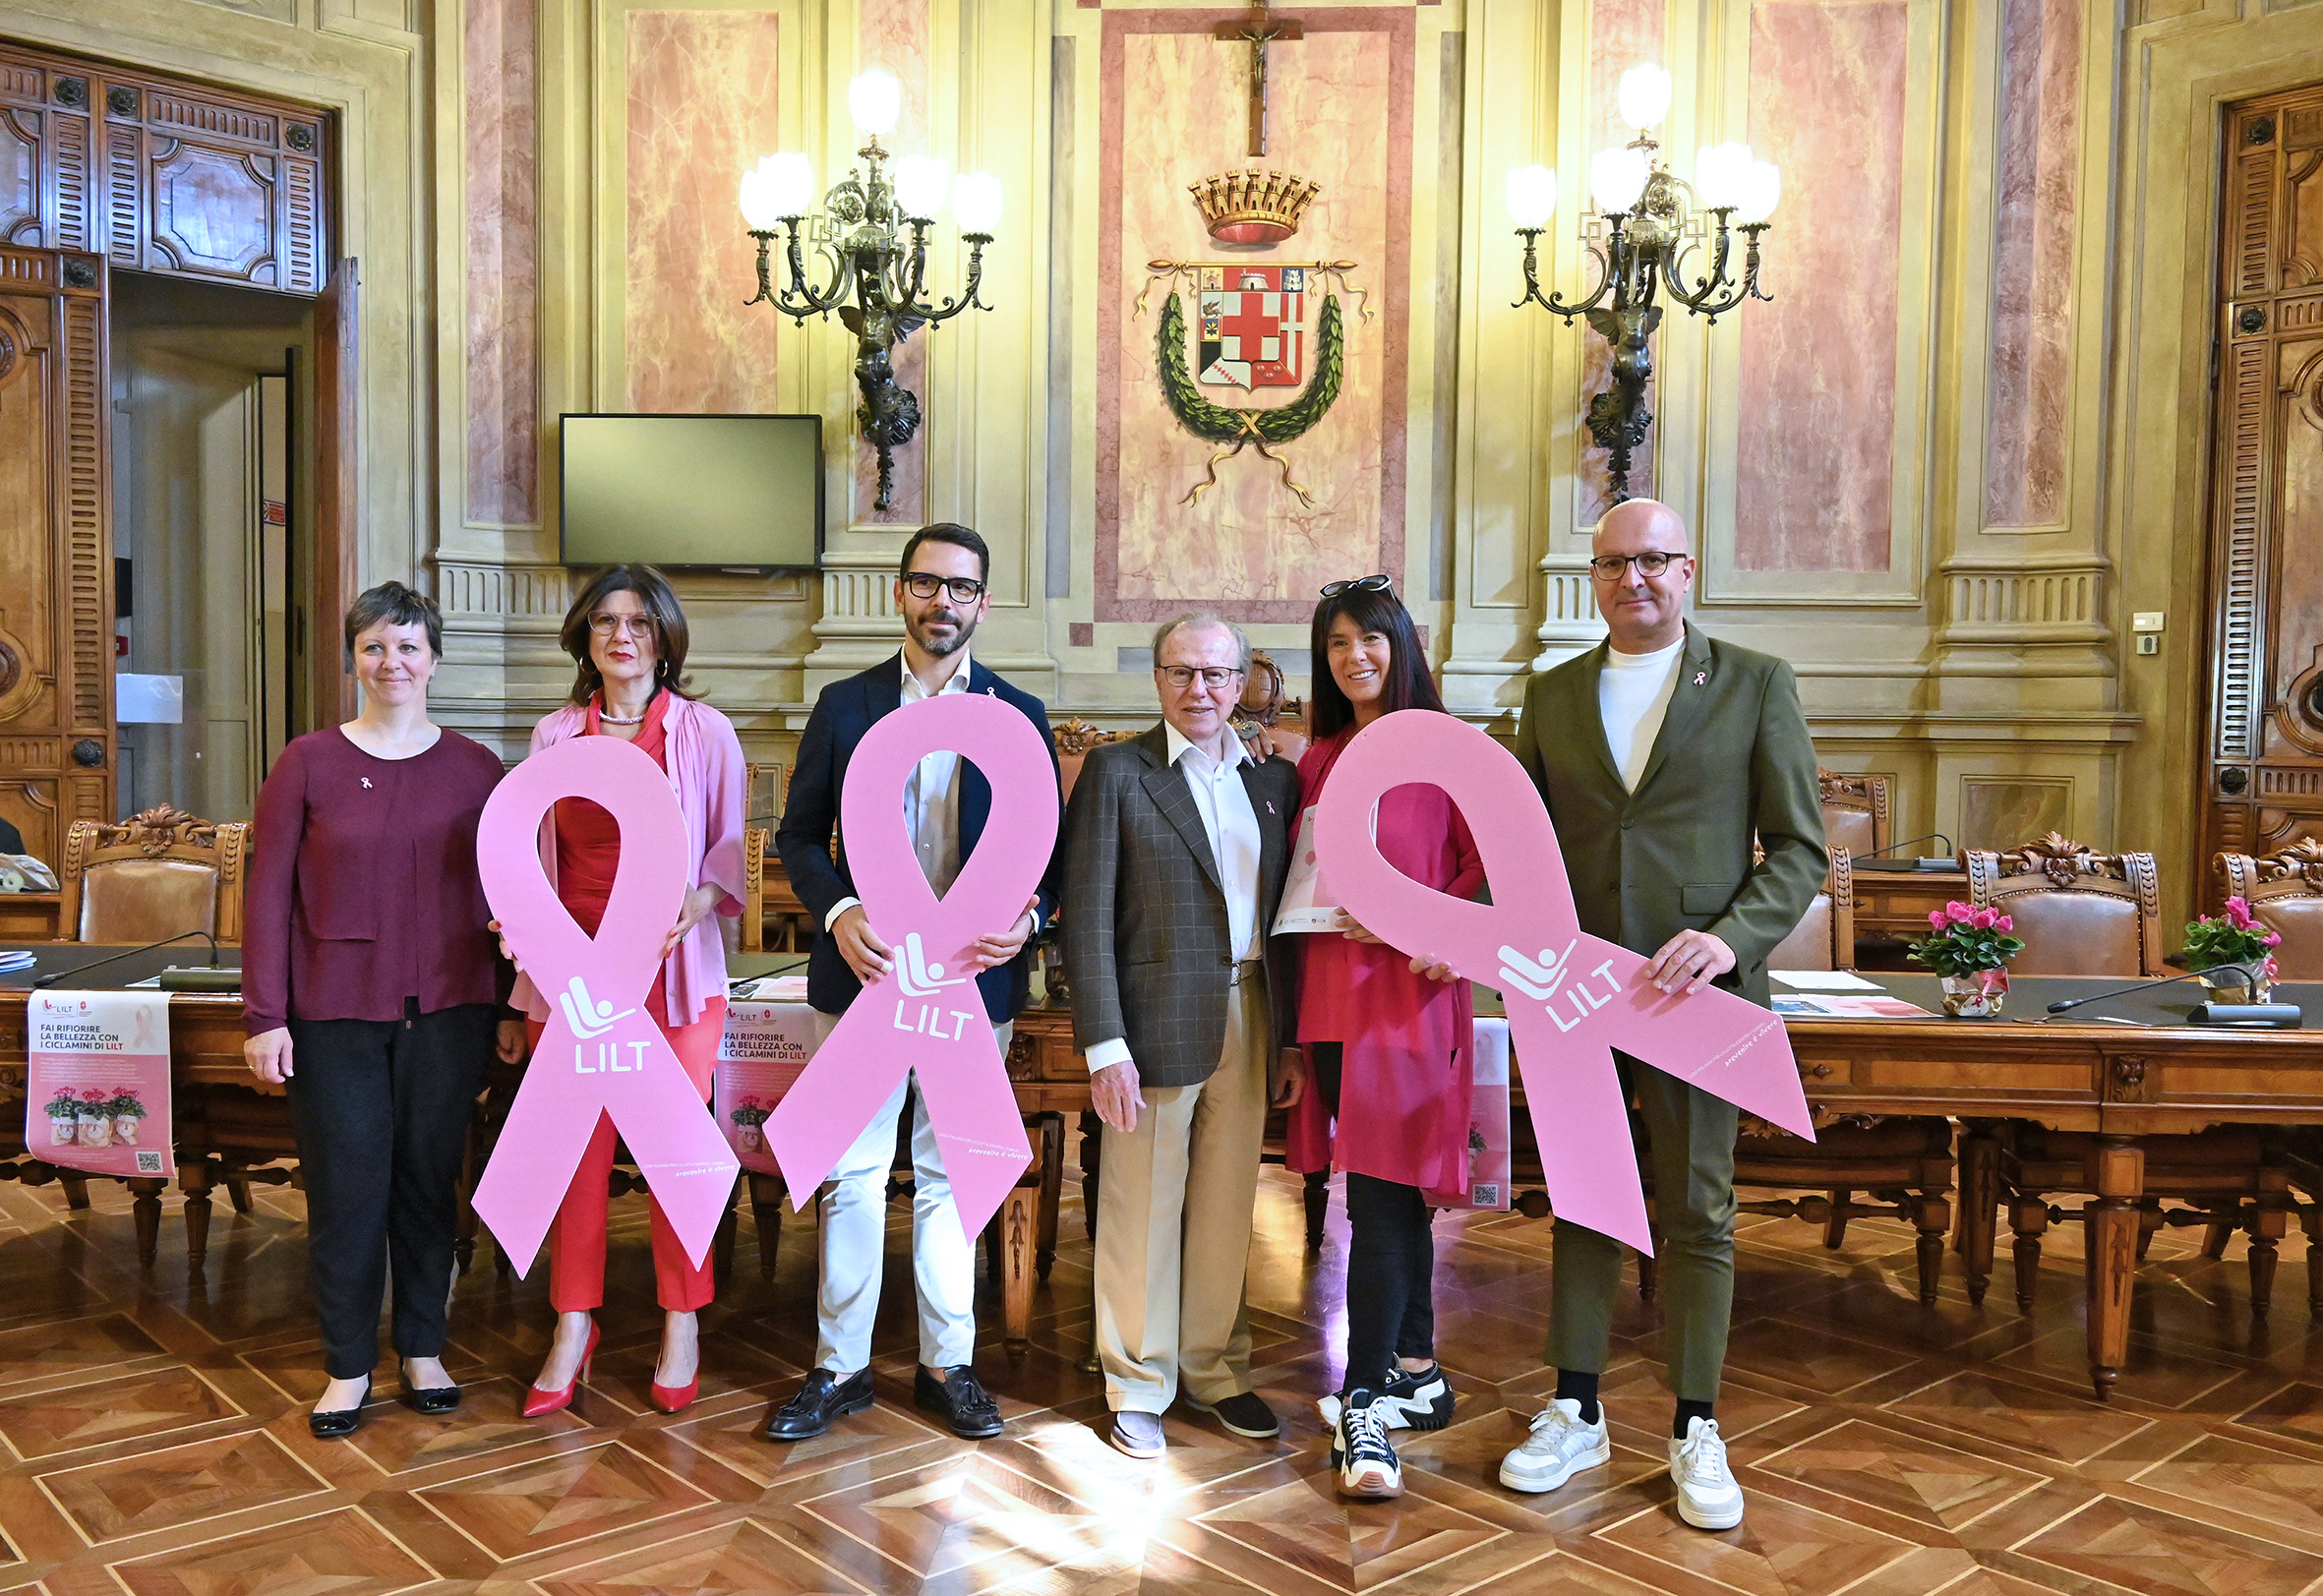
1688,1410
1576,1387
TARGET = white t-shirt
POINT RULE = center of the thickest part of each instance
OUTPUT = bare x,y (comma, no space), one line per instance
1632,695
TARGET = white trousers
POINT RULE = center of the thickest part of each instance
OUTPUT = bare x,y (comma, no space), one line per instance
854,1240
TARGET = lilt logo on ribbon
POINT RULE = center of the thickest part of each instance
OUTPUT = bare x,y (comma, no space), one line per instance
925,1015
1572,998
601,1054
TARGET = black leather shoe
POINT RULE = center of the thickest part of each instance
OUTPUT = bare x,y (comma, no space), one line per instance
436,1401
338,1423
825,1397
964,1403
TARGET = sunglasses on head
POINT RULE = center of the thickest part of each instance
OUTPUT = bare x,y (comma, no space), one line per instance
1378,583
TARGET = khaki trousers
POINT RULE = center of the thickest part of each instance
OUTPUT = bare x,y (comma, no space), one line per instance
1174,1228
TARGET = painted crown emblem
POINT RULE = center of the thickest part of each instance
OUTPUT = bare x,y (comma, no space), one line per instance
1253,207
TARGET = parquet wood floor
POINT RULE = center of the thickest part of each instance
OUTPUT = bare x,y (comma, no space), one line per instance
152,1438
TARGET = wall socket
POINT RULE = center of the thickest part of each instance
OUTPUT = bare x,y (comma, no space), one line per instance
2148,643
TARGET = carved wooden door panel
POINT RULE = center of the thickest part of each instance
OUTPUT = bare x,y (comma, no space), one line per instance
161,175
2264,777
56,548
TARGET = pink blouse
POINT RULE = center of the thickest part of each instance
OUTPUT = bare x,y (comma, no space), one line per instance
1406,1076
704,759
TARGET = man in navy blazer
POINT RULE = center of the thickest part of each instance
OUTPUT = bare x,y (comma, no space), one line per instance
940,592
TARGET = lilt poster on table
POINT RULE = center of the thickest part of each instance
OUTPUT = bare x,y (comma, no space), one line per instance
97,1094
1490,1156
759,1057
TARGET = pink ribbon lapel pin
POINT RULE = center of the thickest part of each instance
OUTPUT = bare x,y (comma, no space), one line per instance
925,1016
1572,998
601,1054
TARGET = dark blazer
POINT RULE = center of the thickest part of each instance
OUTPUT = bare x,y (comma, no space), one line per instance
1733,763
842,713
1148,945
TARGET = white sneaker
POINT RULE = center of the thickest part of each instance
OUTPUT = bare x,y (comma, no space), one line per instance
1707,1496
1359,1450
1559,1447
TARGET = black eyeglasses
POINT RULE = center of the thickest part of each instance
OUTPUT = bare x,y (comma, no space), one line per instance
1653,563
1214,676
962,590
1378,583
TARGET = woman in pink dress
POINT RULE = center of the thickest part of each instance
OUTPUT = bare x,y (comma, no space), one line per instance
627,635
1387,1040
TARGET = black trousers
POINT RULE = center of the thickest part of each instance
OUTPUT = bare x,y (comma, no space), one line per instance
1391,1259
381,1108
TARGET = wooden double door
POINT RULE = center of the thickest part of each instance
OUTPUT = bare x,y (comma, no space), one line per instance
2263,775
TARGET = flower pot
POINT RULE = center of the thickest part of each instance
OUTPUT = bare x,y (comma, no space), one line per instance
1977,997
96,1129
2226,989
752,1140
63,1129
125,1129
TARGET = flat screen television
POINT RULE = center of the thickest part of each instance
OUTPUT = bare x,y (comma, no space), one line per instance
733,493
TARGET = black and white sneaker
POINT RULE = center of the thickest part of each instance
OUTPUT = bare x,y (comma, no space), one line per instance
1359,1450
1416,1401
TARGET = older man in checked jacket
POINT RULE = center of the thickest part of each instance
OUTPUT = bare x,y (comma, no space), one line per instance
1176,845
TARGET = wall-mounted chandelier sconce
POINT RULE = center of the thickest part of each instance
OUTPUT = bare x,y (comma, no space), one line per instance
1641,228
872,231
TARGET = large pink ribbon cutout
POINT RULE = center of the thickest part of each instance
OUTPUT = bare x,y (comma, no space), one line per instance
925,1015
1572,997
601,1054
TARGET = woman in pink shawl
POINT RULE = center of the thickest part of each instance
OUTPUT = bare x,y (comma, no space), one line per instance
628,636
1387,1041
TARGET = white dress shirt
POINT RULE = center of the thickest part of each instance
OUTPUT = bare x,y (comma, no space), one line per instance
931,800
1632,695
1231,825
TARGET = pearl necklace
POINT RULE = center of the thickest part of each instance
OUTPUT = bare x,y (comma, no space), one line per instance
620,720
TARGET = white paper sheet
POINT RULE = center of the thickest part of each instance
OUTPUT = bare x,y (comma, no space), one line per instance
1823,981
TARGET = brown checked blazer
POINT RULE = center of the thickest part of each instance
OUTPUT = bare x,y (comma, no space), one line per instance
1732,764
1147,942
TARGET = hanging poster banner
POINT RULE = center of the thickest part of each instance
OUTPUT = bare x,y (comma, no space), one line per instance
766,1048
96,1093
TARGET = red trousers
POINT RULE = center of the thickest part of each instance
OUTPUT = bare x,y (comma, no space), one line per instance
576,1240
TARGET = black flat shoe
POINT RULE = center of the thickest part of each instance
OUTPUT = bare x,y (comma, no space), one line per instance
963,1402
821,1400
338,1423
436,1401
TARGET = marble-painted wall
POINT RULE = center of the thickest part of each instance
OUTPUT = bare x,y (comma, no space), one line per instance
501,127
700,90
893,34
2027,422
1341,107
1622,34
1816,461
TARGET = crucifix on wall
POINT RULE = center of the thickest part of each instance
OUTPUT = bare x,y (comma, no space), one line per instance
1263,28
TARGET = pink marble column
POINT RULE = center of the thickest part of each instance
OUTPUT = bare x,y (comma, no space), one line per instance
893,34
1622,34
1816,448
701,110
503,277
2028,419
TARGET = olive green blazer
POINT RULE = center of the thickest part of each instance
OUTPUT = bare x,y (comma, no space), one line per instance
1733,763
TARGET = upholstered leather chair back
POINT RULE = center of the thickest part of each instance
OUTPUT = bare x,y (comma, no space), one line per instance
1075,740
2285,892
1855,811
766,789
2080,914
156,874
1825,937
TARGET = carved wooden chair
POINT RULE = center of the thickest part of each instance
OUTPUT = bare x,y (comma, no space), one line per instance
156,874
2285,892
769,899
2087,913
1855,811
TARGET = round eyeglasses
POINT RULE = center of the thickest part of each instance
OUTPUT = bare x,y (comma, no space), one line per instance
1214,676
1653,563
605,625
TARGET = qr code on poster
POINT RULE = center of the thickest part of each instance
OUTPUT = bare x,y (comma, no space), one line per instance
149,1161
1484,1195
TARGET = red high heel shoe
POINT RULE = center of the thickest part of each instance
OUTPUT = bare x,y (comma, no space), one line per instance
677,1399
538,1402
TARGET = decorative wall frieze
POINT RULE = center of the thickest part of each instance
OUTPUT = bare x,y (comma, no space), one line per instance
1571,623
502,598
2038,600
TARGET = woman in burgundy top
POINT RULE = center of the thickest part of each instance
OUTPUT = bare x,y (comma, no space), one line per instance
371,989
627,636
1387,1041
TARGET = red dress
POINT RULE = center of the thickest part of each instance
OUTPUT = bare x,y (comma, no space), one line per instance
588,849
1406,1080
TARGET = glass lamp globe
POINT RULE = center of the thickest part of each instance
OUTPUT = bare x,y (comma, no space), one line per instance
874,100
1617,177
1532,196
976,203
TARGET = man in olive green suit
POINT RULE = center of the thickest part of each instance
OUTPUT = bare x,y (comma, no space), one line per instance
1663,755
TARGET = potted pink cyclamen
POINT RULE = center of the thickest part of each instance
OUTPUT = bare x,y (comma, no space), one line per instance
1969,949
2236,939
748,1116
129,1111
95,1111
64,1117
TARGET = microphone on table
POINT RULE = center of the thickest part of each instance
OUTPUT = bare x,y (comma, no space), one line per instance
1864,860
52,979
2282,1014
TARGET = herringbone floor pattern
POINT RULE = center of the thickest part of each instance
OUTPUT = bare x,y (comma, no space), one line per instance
156,1441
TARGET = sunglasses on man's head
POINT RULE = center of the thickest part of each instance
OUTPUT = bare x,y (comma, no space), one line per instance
1378,583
